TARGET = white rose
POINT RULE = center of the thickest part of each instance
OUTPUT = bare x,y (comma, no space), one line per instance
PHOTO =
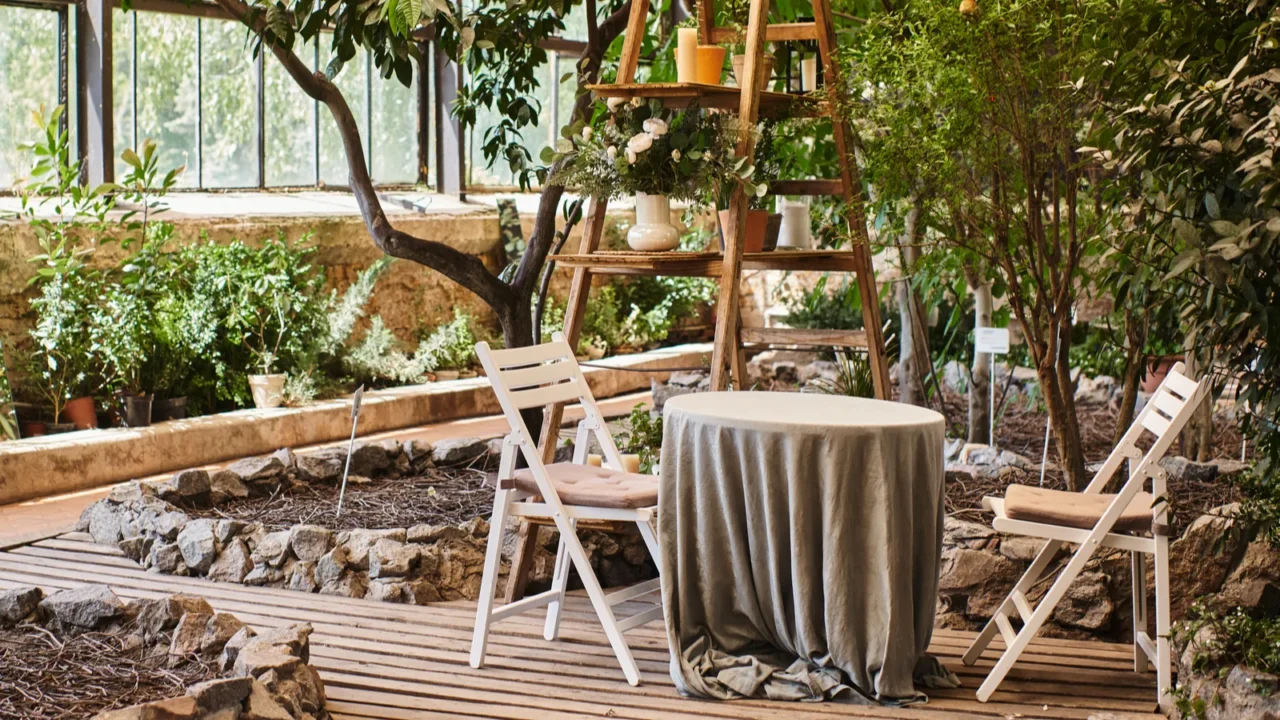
614,103
639,143
611,151
586,133
655,127
675,155
631,156
637,102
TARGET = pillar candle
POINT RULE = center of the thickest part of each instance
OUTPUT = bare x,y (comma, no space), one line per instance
631,463
809,74
595,460
687,55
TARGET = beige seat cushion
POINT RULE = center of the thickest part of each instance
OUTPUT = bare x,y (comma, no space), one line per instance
1077,510
594,486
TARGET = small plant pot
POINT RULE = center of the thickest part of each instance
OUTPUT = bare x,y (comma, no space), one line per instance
135,410
169,409
81,413
710,65
1157,369
34,428
771,229
467,374
446,374
61,428
268,390
757,227
740,65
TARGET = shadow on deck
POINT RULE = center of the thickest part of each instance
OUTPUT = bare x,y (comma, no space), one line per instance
380,660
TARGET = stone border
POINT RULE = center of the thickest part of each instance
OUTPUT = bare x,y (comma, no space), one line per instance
52,465
414,565
263,676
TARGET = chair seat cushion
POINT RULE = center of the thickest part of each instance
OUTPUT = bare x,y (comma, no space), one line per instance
594,486
1072,509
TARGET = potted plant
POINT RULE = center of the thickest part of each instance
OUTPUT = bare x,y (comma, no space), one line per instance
657,155
737,14
450,348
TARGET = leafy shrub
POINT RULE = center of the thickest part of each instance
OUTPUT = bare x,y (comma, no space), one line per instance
1223,641
840,309
451,346
641,434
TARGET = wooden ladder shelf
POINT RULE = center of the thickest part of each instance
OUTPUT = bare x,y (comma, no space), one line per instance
728,357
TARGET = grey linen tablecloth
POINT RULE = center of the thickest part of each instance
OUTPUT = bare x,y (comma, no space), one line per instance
800,539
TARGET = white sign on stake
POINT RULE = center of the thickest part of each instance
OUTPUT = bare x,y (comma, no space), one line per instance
994,341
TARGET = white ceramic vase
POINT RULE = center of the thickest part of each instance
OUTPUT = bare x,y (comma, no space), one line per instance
795,231
268,390
653,231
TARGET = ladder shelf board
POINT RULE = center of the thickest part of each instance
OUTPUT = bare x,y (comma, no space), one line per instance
723,97
773,32
706,264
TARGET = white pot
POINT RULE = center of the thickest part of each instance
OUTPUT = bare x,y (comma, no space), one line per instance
795,231
653,231
268,390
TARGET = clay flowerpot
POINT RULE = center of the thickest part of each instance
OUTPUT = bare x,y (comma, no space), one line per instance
135,410
757,228
739,69
169,409
81,413
446,374
268,390
1157,369
710,64
34,428
653,231
771,229
60,428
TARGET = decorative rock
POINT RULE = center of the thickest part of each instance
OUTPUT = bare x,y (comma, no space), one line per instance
168,525
219,630
18,603
233,563
197,545
358,542
179,708
1087,603
369,459
162,615
224,530
434,533
189,633
85,607
1200,560
418,452
350,584
296,638
310,542
164,557
422,592
258,469
387,591
286,457
232,648
263,575
1020,548
458,451
1182,469
329,568
103,522
661,392
961,473
213,695
259,705
962,533
984,578
186,486
1095,391
303,577
273,549
224,485
323,466
135,548
1254,584
129,492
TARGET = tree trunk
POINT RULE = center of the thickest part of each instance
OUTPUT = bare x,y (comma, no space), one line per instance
1135,330
1067,430
1197,436
910,363
980,385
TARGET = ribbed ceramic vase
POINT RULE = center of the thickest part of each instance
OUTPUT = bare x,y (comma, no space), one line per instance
653,231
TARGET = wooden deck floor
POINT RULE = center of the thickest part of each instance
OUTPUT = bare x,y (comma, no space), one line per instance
396,662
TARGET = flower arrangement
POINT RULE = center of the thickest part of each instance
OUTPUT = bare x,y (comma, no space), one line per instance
641,147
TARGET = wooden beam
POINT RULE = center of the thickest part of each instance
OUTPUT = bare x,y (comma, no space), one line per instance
805,336
806,187
97,128
777,32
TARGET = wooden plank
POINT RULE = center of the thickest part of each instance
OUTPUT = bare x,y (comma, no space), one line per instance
631,44
708,264
719,97
775,32
806,187
805,336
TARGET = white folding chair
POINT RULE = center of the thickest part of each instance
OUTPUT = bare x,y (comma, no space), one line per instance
564,492
1131,520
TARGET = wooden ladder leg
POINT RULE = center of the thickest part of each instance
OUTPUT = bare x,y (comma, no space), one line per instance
1138,565
738,358
1024,585
559,581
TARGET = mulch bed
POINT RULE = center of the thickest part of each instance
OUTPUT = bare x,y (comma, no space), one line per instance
440,496
45,677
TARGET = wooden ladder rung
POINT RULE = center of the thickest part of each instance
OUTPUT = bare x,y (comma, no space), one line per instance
776,32
806,187
804,336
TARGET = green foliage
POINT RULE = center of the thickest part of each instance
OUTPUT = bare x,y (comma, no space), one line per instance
839,309
853,377
451,346
639,313
378,360
1225,640
641,434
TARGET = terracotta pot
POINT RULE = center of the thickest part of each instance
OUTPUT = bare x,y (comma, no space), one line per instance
771,230
81,413
60,428
34,428
740,64
446,374
169,409
268,390
135,410
1157,369
710,64
757,227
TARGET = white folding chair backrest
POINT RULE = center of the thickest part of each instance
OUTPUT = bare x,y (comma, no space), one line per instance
537,376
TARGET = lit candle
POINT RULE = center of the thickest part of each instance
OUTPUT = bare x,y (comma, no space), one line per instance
687,55
809,74
631,463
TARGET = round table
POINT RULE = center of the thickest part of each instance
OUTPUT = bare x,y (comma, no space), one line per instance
801,536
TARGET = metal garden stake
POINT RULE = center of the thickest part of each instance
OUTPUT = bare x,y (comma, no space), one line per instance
355,420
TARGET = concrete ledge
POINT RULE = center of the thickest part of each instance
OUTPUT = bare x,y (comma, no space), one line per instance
56,464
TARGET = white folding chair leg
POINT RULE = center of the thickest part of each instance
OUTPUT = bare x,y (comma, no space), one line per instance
1024,585
1139,583
651,542
598,601
489,581
559,581
1164,667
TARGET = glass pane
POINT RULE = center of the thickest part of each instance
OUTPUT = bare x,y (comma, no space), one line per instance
533,136
395,141
122,86
291,126
167,90
229,113
352,82
575,23
29,68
